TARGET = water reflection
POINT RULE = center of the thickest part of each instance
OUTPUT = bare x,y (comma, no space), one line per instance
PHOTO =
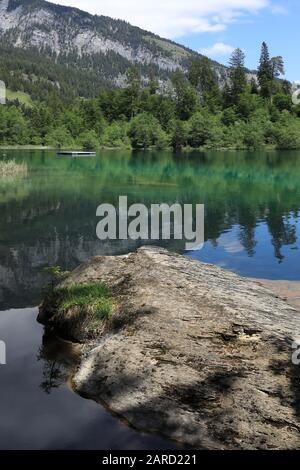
33,419
252,201
59,359
252,204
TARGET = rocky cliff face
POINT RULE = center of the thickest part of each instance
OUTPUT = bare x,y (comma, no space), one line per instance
66,32
191,351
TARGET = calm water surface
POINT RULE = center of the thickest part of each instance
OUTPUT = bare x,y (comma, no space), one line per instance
252,205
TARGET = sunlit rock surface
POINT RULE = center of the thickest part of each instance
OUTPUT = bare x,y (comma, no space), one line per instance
194,352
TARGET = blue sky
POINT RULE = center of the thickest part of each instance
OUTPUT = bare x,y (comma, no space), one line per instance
214,27
280,28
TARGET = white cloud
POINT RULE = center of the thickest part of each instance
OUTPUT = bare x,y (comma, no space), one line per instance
173,18
219,49
230,243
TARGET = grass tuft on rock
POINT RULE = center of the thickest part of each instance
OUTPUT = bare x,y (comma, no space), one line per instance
93,298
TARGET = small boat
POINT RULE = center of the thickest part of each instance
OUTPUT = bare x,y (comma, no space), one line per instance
76,153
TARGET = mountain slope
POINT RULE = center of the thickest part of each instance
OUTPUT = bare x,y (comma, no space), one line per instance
47,39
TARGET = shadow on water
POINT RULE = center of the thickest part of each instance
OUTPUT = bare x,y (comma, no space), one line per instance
59,358
38,408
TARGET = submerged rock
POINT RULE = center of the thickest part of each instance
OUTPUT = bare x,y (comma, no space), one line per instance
193,352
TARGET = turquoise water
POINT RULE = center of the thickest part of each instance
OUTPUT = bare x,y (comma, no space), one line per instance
252,204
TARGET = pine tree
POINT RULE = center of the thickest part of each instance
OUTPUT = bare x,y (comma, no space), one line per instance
265,72
203,77
186,97
277,67
133,90
238,79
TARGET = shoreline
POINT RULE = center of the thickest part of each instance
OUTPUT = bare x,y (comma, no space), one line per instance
289,291
150,149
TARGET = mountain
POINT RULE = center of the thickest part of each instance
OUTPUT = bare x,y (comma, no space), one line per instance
44,46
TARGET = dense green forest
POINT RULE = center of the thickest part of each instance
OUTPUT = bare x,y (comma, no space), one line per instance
191,110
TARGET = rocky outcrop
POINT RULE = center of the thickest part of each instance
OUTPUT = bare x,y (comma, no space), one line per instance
66,30
193,352
99,45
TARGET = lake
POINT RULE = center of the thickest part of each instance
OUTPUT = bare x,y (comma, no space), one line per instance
252,204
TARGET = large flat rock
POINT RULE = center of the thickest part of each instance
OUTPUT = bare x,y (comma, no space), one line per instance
193,352
287,290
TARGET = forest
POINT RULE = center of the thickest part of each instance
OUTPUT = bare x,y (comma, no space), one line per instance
191,110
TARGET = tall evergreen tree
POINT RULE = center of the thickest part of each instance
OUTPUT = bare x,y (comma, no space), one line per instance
186,97
203,77
277,67
238,79
265,72
133,90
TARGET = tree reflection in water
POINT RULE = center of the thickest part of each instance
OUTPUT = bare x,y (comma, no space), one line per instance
252,202
60,359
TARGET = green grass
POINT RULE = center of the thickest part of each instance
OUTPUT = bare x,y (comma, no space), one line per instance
174,49
93,298
24,98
